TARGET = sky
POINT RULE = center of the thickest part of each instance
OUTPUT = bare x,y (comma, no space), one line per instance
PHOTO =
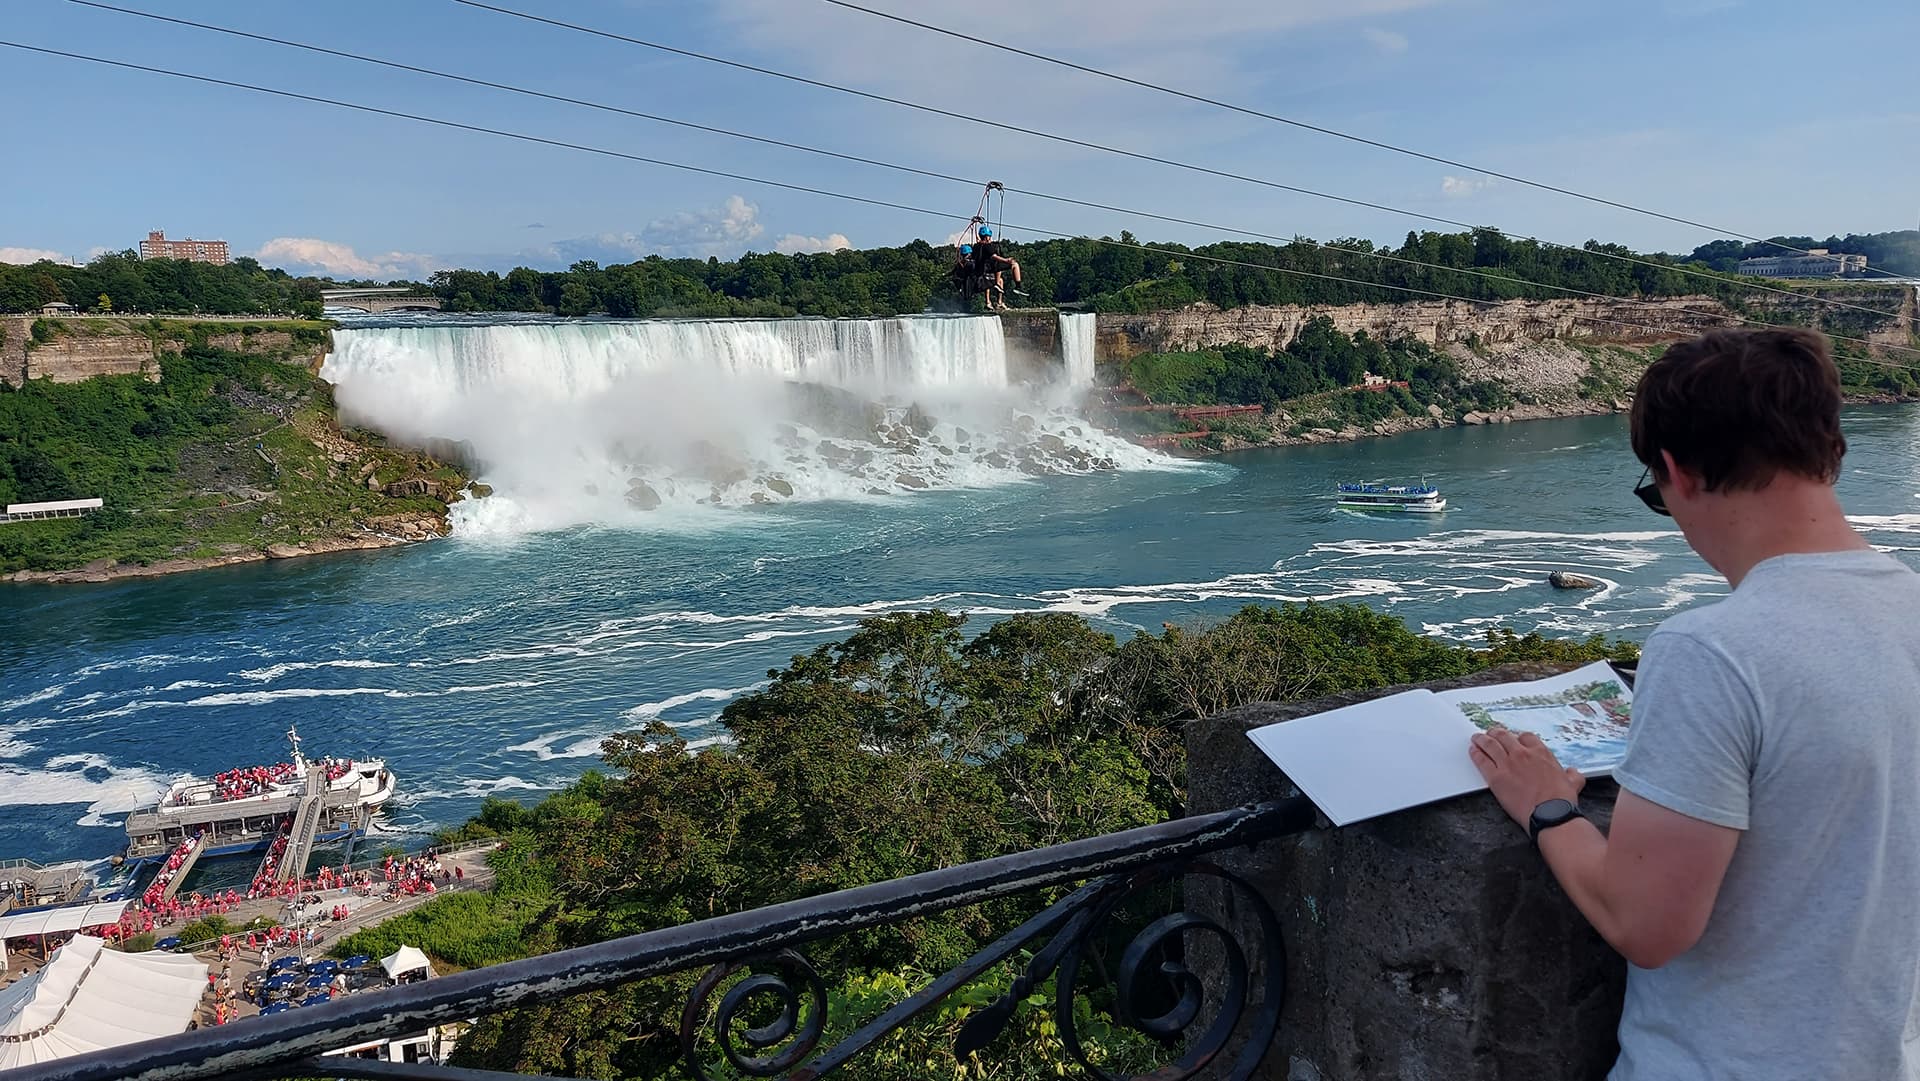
1765,117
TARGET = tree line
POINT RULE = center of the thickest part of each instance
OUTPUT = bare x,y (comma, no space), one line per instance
1107,274
124,282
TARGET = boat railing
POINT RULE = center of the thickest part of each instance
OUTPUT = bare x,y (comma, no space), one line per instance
1389,489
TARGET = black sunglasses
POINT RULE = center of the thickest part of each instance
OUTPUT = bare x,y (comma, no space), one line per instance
1649,493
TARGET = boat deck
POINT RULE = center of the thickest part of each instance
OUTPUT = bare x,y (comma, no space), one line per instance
238,824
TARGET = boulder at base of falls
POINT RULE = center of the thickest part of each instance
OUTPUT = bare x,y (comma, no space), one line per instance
961,435
412,487
919,420
908,480
642,496
776,484
1569,580
998,460
479,490
1051,442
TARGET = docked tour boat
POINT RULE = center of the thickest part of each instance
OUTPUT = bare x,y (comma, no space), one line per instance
244,809
1403,498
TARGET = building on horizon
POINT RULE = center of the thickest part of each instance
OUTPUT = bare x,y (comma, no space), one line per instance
157,246
1816,263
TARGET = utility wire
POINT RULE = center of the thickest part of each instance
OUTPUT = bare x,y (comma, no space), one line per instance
603,107
1304,125
825,193
1137,155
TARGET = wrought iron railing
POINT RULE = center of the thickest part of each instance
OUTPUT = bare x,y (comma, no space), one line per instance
755,962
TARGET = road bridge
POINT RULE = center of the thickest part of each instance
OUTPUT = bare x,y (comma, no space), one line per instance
384,299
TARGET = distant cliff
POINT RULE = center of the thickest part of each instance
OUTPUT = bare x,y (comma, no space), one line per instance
1550,357
71,349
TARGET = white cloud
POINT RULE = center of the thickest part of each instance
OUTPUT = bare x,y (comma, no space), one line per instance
794,243
725,230
1385,40
1460,187
340,260
29,255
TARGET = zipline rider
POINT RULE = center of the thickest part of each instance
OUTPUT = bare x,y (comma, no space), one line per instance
990,266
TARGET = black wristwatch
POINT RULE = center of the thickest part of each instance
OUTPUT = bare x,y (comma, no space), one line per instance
1553,812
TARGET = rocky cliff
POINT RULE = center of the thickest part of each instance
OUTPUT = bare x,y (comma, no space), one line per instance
70,350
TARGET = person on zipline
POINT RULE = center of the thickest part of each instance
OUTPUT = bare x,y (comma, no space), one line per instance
991,266
961,273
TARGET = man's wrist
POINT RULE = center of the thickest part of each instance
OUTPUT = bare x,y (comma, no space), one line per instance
1550,813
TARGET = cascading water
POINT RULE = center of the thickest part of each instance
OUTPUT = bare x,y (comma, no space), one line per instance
1077,346
574,422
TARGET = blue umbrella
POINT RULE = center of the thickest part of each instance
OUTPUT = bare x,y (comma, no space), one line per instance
327,967
319,981
314,1000
167,943
285,979
278,1007
280,963
355,961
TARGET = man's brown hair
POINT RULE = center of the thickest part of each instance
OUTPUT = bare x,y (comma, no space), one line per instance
1739,406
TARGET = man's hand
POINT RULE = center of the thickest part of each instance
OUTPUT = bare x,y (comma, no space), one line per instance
1522,772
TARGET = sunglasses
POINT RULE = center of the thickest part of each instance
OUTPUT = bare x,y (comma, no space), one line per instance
1649,493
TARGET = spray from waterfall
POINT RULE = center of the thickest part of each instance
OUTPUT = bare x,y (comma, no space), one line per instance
605,422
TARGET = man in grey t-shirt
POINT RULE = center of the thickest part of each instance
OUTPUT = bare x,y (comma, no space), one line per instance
1762,871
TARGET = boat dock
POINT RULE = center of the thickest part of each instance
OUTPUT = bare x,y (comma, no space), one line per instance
26,885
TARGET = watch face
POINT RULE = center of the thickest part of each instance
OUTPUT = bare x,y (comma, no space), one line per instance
1553,809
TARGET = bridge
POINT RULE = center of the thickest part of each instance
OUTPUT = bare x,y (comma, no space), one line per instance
373,301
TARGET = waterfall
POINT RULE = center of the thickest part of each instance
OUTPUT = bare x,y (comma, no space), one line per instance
582,422
1076,347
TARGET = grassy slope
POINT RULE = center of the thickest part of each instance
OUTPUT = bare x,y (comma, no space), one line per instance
228,453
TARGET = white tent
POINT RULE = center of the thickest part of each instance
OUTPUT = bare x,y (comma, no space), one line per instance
55,921
404,961
89,997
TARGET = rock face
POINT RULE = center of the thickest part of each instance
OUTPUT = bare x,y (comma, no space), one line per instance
1569,580
1429,944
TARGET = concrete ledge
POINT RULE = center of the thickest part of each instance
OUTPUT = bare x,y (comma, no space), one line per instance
1431,944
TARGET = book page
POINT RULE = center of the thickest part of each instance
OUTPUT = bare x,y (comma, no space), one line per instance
1581,716
1377,757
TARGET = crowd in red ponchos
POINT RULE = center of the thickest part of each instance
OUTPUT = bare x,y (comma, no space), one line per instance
253,780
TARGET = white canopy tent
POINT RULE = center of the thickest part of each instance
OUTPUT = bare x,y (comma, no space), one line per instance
90,997
404,961
58,921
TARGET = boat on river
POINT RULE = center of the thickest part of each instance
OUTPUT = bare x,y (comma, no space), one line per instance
1399,498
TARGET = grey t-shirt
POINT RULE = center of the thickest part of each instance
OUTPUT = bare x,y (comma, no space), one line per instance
1789,711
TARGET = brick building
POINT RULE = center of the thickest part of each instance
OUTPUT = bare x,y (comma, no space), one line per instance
157,246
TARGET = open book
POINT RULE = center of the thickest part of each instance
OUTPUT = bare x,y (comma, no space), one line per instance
1411,748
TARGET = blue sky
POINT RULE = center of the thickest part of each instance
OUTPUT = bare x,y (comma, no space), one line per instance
1765,117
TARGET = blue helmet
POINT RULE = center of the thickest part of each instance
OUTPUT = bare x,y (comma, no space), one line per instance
966,249
985,232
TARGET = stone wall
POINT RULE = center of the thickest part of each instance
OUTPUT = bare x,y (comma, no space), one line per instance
71,359
15,332
1430,945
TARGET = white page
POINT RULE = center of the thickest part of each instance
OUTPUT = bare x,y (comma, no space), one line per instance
1587,731
1370,759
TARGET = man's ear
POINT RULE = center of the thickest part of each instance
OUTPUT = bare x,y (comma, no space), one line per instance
1685,483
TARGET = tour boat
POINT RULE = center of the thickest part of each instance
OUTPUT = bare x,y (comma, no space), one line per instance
1403,498
245,809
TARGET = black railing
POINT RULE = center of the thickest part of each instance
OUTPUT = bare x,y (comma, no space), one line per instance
1149,977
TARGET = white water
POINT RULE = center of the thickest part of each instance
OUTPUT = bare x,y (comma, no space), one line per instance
1076,347
576,423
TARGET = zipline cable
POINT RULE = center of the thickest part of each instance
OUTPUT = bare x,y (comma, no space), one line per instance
1137,155
983,214
826,193
1306,126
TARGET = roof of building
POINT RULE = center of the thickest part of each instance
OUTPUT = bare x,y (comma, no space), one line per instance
90,997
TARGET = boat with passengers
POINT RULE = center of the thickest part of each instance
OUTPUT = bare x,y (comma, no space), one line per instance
1401,498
